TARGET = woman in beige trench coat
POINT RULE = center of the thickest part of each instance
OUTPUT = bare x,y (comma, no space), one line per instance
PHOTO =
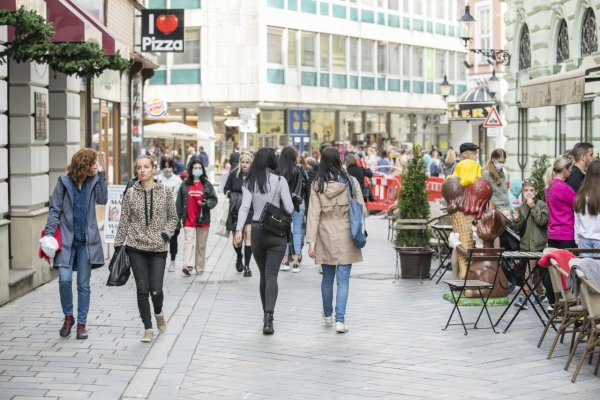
328,233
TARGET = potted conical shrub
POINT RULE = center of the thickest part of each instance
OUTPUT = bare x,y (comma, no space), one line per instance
412,234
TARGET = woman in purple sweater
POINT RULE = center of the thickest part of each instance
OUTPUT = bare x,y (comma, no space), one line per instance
560,198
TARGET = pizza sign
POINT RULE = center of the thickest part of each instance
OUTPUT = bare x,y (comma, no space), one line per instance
163,31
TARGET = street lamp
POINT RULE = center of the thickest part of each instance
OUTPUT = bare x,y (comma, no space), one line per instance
445,88
493,85
466,23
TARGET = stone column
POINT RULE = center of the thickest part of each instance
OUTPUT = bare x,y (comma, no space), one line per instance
29,168
4,223
65,135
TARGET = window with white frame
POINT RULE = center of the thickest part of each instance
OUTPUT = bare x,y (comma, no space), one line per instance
353,54
440,8
324,50
440,65
381,58
452,67
394,5
338,52
367,3
394,59
274,48
308,49
406,54
292,48
417,58
484,31
366,55
191,55
417,7
406,6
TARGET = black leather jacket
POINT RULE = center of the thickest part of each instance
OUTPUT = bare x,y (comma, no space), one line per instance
182,198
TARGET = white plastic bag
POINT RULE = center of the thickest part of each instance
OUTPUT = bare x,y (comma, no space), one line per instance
49,246
221,211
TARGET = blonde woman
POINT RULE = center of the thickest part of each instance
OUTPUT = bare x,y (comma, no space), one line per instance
148,220
233,190
494,174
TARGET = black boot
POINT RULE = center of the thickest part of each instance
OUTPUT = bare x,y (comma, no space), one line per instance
239,263
268,325
67,325
247,272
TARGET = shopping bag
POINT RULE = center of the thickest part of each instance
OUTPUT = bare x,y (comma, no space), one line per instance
119,268
221,213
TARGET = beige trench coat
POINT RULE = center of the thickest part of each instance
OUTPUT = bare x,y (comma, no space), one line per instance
328,224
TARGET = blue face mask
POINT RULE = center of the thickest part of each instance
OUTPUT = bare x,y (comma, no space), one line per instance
197,173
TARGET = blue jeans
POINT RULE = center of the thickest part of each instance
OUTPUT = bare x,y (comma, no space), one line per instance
297,234
65,278
342,274
589,244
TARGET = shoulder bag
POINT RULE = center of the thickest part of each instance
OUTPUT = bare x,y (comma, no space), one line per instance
357,218
275,219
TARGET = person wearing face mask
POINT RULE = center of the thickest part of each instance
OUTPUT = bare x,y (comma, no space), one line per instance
169,178
195,199
494,174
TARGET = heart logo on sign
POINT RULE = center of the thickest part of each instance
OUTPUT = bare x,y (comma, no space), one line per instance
167,24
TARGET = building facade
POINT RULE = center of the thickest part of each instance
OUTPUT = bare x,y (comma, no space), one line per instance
277,72
46,116
553,79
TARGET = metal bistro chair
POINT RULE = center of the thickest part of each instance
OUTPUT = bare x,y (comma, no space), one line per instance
461,285
441,226
571,310
590,300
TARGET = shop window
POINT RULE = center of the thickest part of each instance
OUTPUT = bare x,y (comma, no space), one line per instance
589,39
185,76
524,50
562,43
274,48
185,4
271,121
191,55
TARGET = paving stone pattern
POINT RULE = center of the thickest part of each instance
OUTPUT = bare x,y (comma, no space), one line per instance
214,347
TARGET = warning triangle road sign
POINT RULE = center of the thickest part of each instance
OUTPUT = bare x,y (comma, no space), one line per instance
493,119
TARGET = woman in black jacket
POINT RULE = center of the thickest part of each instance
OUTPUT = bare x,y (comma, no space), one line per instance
358,172
195,200
297,181
233,190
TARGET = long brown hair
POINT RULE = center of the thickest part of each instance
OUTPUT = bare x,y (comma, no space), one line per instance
496,155
82,165
588,194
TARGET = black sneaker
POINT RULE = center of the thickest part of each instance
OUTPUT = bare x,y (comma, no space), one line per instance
81,332
65,331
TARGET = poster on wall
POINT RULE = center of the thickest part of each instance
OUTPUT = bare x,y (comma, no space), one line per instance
163,30
112,212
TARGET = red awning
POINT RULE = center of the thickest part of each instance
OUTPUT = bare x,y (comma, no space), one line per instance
70,25
108,39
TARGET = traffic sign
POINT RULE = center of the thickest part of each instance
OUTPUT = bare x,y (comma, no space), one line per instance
493,119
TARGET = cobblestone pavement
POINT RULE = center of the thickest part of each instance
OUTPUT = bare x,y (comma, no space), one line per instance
214,347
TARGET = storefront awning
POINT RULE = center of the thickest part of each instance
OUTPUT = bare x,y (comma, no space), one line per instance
69,24
473,105
554,90
110,45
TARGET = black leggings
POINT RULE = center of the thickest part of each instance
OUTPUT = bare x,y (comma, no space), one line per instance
268,250
173,244
148,271
545,272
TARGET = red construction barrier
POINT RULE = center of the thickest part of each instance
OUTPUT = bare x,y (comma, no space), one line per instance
433,185
384,190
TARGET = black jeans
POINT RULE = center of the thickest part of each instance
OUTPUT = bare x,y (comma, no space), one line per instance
173,244
545,272
148,271
268,250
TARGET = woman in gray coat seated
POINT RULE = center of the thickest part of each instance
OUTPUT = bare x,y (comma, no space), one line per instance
73,209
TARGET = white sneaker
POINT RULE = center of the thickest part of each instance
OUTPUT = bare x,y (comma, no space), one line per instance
320,269
327,320
284,267
172,266
341,327
296,269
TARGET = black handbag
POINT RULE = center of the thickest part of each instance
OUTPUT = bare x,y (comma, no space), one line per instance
275,219
119,268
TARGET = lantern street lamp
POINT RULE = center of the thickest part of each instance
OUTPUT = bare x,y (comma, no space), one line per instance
445,88
466,23
493,85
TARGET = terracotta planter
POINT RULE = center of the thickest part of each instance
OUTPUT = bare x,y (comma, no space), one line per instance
415,262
